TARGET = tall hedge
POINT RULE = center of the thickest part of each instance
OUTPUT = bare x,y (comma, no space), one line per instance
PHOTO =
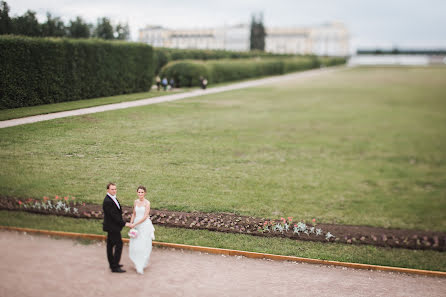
37,71
187,73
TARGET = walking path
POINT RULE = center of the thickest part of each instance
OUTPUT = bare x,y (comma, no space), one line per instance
174,97
36,265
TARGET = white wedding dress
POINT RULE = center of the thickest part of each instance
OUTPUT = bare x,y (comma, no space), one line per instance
141,246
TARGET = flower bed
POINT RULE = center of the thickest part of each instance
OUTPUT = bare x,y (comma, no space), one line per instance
232,223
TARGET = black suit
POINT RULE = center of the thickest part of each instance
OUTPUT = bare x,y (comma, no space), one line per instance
113,224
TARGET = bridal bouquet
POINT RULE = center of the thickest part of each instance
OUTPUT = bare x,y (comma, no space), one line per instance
133,233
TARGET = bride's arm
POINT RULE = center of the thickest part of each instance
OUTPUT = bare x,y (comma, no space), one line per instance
146,215
133,214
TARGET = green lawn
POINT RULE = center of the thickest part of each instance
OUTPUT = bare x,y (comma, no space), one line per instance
14,113
7,114
361,146
429,260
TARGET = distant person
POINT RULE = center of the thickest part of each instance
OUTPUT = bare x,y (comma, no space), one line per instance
204,83
113,224
140,246
158,82
172,83
164,83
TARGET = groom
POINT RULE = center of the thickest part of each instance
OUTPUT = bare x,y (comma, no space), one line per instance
113,224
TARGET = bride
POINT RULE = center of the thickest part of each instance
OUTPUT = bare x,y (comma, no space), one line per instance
141,245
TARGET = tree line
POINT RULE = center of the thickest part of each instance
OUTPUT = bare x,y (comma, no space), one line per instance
28,25
398,51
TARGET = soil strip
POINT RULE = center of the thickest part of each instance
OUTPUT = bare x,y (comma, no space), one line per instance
233,223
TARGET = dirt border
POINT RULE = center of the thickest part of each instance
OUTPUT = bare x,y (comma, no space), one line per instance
233,223
246,254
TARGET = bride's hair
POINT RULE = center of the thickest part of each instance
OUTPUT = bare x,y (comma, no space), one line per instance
142,188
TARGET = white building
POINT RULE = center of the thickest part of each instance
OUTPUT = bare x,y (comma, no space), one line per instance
235,38
287,41
330,39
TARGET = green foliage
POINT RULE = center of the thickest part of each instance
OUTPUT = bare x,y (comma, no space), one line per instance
161,57
402,51
122,32
165,55
359,146
104,29
28,25
5,20
188,72
258,34
332,61
78,28
36,71
53,27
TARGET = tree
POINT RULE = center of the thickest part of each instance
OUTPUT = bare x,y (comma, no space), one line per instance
5,20
104,29
53,27
27,25
258,33
122,32
79,29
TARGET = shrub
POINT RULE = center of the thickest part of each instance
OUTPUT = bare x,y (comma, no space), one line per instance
165,55
161,58
332,61
187,73
37,71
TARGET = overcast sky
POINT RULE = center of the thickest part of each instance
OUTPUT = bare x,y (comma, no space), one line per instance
372,23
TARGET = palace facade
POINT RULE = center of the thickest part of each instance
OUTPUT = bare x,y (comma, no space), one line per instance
331,39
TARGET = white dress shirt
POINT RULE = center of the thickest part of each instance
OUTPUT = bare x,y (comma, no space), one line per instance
114,200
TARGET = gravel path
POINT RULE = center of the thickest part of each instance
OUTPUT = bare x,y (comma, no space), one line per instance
174,97
36,265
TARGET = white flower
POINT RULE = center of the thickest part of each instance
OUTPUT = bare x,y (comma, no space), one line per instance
133,233
328,236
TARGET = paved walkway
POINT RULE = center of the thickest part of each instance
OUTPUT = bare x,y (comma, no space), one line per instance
36,265
174,97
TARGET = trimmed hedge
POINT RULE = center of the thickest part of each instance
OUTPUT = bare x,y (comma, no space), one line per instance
165,55
187,73
36,71
332,61
199,54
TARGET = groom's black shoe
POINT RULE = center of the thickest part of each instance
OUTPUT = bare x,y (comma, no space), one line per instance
118,270
120,265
